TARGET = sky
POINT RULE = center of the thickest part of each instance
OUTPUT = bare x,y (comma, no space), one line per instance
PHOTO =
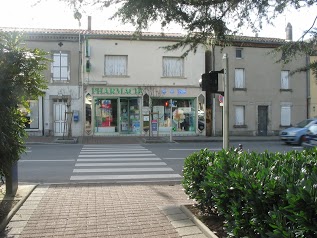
56,15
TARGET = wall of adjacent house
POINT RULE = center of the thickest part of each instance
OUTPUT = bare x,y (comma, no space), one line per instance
69,90
312,91
262,87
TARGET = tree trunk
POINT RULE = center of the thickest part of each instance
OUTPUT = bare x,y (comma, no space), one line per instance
12,180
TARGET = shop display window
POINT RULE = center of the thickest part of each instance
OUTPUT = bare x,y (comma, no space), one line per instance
105,115
176,113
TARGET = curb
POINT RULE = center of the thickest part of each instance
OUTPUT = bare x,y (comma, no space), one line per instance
7,219
198,223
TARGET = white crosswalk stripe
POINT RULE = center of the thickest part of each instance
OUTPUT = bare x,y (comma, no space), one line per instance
121,163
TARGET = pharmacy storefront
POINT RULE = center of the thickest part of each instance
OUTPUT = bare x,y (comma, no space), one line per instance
132,110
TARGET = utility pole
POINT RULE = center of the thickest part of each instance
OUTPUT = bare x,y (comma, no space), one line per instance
208,113
226,102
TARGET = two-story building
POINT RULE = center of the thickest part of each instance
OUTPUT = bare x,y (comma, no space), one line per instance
106,83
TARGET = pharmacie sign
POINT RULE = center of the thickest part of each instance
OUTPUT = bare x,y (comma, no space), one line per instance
117,91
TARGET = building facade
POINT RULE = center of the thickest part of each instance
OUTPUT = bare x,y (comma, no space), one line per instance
106,83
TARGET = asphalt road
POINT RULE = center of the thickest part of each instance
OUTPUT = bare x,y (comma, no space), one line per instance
76,163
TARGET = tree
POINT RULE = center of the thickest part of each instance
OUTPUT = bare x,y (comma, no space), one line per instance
210,22
20,80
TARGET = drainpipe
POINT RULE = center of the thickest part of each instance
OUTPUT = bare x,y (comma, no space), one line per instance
308,96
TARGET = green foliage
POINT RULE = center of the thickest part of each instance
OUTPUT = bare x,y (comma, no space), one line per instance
20,79
209,22
259,195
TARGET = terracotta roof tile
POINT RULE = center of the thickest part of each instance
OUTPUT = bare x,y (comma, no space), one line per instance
129,34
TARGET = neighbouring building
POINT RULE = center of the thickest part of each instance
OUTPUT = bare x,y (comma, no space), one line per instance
106,83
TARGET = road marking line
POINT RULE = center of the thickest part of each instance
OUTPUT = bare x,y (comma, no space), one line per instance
174,158
132,155
119,164
116,159
117,177
43,160
116,152
131,170
111,149
213,149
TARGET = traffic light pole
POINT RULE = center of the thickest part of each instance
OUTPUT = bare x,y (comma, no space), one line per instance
208,114
226,102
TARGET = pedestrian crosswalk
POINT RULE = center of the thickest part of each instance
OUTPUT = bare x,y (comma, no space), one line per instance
119,163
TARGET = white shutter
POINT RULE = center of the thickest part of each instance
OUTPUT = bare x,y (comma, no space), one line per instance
284,79
239,115
285,115
239,78
173,67
116,65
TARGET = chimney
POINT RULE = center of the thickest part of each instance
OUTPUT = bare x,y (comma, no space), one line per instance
289,32
89,23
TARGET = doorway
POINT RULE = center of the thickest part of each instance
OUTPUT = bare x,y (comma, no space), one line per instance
262,120
129,116
60,126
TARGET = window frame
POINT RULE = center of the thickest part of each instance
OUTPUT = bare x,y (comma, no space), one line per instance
289,106
125,71
61,78
236,123
236,84
241,53
166,74
285,81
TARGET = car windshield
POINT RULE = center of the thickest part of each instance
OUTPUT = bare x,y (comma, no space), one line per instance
304,123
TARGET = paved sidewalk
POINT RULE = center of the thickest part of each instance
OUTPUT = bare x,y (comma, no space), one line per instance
98,210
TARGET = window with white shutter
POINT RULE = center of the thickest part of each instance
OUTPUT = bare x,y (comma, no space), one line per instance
173,67
60,67
239,81
285,79
116,65
239,115
285,115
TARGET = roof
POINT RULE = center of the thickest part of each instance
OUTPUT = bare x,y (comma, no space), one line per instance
111,34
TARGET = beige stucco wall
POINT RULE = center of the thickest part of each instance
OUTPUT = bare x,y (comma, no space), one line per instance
71,89
312,91
263,83
144,63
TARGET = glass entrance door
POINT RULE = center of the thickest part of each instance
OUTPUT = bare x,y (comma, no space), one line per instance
129,115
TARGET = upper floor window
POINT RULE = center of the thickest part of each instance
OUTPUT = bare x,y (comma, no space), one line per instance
285,79
60,67
239,78
239,53
173,67
116,65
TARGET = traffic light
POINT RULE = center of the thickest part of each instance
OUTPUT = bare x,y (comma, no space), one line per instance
213,81
166,103
209,81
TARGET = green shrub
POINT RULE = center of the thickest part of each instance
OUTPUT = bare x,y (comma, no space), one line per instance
259,195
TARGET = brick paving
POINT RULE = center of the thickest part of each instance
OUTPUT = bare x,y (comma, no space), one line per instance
99,210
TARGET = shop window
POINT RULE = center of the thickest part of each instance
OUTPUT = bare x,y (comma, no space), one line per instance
116,65
179,114
106,115
31,115
173,67
60,67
